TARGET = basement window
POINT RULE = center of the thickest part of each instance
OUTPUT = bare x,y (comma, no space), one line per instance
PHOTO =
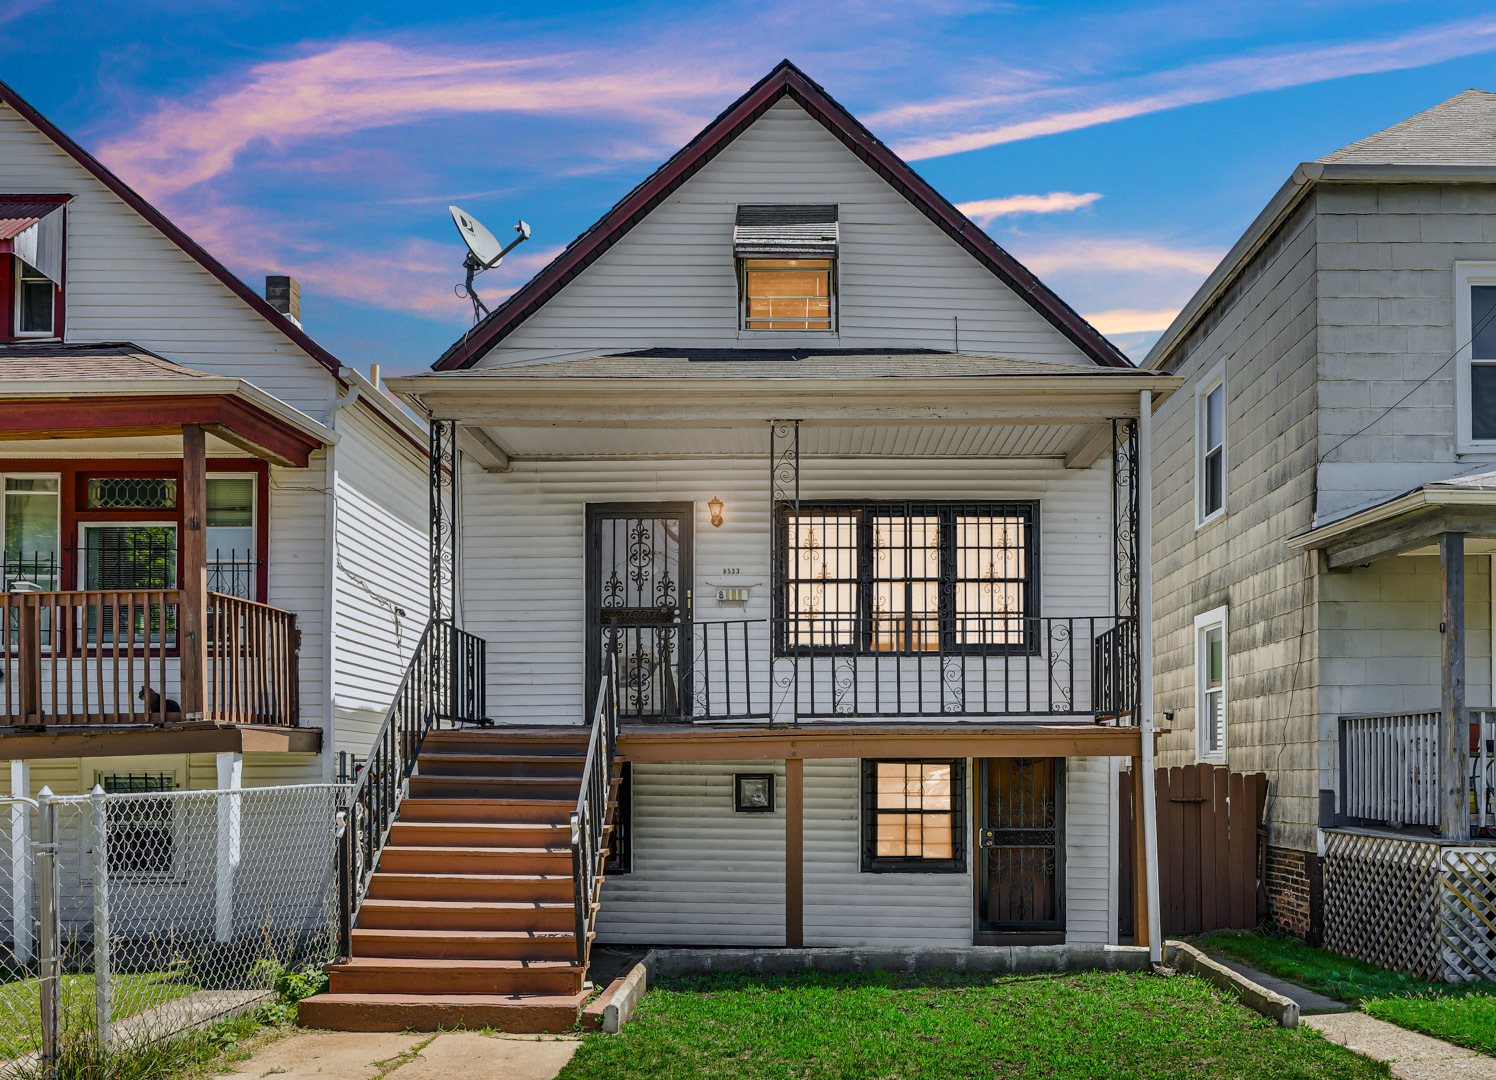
140,834
786,257
912,814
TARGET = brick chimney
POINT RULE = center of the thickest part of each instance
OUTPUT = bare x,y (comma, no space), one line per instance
283,294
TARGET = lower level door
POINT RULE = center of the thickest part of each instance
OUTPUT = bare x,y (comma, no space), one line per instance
1020,862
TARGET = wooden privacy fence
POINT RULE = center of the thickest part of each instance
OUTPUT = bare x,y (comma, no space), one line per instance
1210,844
97,657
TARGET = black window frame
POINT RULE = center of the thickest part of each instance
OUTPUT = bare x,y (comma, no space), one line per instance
872,862
869,511
140,834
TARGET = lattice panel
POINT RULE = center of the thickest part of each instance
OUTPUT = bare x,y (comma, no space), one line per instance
1382,902
1468,915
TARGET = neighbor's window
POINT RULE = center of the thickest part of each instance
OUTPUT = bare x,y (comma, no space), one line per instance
1210,685
1210,439
1475,335
139,830
787,259
909,577
230,535
912,814
32,542
33,228
35,302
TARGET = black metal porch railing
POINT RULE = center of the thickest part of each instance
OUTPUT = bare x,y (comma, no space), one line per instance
715,670
590,819
442,686
1114,671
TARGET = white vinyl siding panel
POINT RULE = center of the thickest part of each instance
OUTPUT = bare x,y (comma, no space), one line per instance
1090,851
524,568
902,282
297,557
128,282
380,575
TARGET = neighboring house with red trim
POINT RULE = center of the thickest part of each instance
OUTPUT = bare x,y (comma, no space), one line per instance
214,532
846,499
1325,525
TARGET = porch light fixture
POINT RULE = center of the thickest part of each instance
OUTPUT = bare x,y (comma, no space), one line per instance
753,793
715,506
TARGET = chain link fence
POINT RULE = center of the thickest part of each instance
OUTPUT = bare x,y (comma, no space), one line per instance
130,917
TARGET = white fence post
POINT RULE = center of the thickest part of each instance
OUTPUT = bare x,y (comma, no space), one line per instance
100,819
20,863
230,781
49,984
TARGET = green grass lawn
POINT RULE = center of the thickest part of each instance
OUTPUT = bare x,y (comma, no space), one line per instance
1462,1014
879,1024
20,1006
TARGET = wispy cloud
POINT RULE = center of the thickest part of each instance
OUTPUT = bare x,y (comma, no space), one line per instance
986,211
995,118
1119,255
1132,320
358,85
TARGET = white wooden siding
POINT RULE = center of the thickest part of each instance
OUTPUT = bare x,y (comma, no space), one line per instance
523,548
381,564
703,874
297,558
671,281
128,282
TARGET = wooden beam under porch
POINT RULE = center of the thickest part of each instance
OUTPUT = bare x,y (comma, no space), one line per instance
660,742
203,737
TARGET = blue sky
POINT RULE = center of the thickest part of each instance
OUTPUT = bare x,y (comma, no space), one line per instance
1116,148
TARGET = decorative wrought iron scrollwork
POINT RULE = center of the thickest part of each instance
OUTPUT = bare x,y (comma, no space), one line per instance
1059,651
1125,523
952,684
442,445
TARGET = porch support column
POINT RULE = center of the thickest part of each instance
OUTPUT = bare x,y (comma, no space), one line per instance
1144,496
1454,747
193,573
794,853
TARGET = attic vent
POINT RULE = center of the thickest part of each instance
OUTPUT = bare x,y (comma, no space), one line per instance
786,231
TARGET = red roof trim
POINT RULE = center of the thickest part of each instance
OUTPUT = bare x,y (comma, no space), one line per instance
785,79
133,200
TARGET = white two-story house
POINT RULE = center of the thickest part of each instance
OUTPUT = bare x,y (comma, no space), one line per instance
817,514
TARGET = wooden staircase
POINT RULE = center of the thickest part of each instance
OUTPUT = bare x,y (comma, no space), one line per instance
470,916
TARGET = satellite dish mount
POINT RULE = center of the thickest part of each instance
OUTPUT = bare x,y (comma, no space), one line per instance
484,253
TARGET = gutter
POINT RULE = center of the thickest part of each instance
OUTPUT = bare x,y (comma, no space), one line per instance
1287,199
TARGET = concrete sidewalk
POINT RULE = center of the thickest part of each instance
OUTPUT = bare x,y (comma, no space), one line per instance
351,1055
1411,1056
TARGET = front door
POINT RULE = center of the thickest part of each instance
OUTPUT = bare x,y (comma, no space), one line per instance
1020,832
639,605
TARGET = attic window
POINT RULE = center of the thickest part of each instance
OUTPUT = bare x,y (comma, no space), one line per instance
32,229
786,256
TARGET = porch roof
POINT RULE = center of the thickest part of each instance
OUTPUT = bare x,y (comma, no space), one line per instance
1407,523
108,389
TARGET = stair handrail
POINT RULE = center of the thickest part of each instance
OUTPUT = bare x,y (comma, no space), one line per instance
589,819
444,681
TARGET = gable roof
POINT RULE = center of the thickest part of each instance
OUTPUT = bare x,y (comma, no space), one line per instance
1460,131
95,360
786,80
163,224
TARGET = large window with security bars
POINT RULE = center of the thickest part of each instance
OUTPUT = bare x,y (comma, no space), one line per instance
878,577
912,815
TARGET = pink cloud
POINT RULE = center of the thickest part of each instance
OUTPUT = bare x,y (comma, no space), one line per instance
1124,255
367,84
986,211
1131,320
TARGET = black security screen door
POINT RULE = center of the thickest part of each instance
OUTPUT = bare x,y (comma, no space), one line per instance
1020,837
639,605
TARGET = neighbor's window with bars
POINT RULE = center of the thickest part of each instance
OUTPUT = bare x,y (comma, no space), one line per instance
912,816
139,831
909,578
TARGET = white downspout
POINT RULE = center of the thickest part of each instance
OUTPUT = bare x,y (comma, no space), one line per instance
1145,666
329,591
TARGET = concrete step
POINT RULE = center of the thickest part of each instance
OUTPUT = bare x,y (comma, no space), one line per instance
531,1015
394,975
448,944
553,887
520,915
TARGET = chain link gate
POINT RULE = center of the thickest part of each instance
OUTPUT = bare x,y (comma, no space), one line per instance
132,918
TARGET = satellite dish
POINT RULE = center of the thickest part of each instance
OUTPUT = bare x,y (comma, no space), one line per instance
484,252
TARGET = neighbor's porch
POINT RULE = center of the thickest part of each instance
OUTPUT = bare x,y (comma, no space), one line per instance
135,503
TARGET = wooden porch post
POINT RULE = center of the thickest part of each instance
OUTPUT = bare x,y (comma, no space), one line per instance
193,572
1140,791
794,852
1454,747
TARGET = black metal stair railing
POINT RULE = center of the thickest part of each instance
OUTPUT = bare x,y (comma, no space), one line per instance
590,819
442,686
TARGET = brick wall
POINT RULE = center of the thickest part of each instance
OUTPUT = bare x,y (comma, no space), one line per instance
1295,893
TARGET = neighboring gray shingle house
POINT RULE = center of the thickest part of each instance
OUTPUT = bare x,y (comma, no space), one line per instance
1340,369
